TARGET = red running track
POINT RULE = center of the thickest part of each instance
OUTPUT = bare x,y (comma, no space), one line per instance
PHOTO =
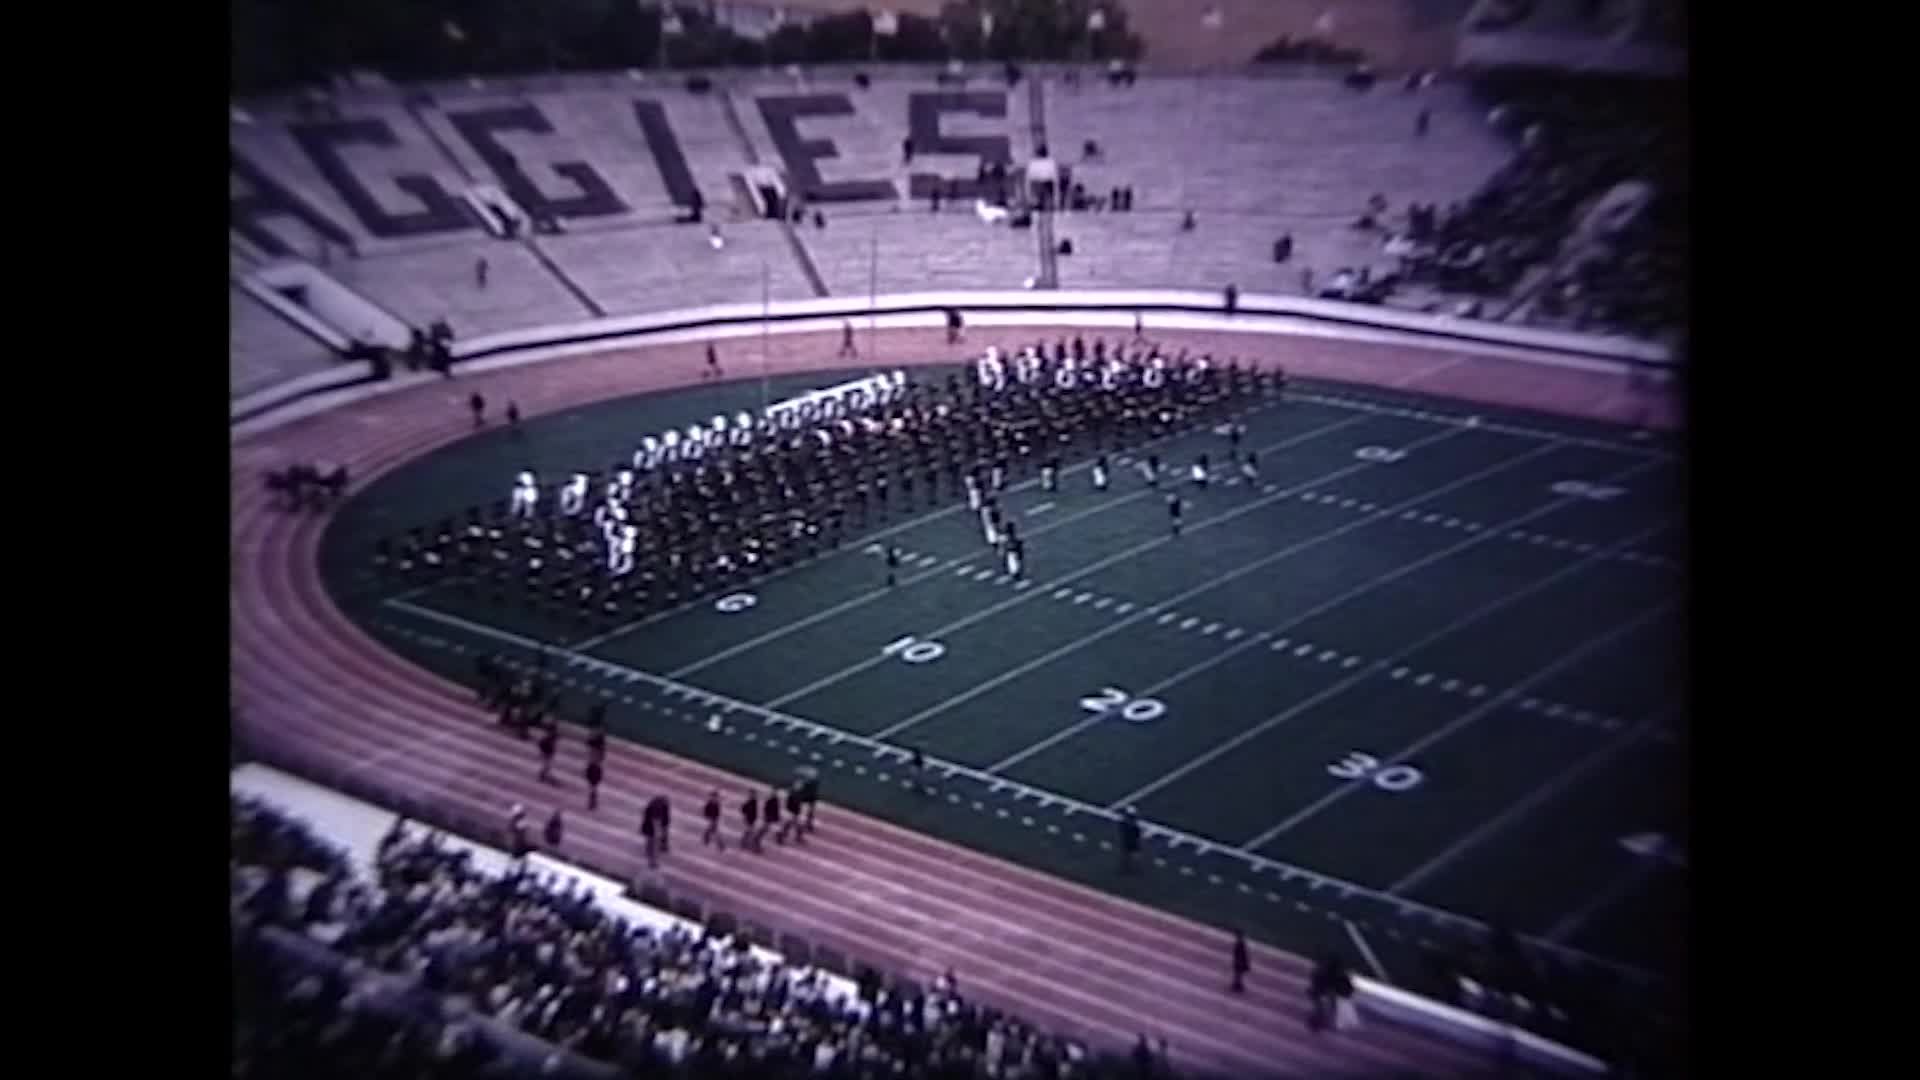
1058,954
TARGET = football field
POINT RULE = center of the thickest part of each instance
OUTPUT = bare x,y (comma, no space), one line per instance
1421,675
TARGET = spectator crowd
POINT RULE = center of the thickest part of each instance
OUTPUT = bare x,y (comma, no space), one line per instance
430,967
1528,233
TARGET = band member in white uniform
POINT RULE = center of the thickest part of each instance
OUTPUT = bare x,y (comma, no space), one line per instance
973,492
620,560
526,496
1100,473
573,497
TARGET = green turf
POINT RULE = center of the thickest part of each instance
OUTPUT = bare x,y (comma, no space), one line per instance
1292,561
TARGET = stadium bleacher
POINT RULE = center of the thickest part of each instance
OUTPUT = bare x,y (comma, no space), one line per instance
664,267
1231,149
340,967
920,251
263,349
431,283
619,133
1306,148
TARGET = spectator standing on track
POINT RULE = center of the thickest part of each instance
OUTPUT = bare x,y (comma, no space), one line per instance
480,272
711,811
1328,983
713,362
1174,507
791,826
593,781
596,743
954,323
555,830
479,406
749,816
770,817
513,417
846,340
1420,122
1129,839
1143,1057
893,564
549,742
662,812
517,831
650,835
1241,962
810,796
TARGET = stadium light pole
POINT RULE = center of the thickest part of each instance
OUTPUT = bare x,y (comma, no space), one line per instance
873,294
766,318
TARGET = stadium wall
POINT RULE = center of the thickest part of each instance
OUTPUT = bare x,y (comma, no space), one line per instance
1158,309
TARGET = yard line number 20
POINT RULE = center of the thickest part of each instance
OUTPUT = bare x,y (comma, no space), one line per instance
1360,766
1113,701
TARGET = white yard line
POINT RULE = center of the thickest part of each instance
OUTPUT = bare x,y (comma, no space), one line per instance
1363,672
1496,427
1539,795
1094,567
868,597
1296,621
1517,689
1040,796
1575,919
1366,950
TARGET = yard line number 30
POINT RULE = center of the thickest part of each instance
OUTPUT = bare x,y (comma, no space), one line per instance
1361,766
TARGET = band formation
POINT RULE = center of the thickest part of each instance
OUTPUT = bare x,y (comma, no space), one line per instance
695,513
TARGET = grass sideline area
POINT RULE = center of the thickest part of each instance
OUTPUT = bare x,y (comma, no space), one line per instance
1408,674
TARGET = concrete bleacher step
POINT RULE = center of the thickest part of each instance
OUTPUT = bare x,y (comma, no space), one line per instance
264,349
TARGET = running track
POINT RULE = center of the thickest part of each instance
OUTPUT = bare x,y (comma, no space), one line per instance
1058,954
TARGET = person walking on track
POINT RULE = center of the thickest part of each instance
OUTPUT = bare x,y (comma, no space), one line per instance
549,742
711,811
750,818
